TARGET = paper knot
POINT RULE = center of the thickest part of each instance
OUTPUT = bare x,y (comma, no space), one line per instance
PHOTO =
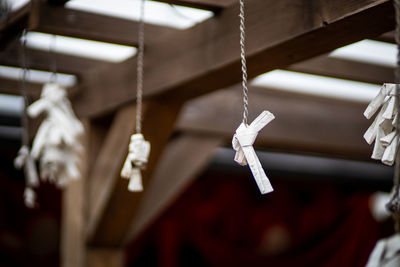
242,143
139,150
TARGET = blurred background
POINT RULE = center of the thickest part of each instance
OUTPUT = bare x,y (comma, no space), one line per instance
199,207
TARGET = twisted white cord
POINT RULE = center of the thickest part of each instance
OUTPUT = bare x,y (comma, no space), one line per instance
139,85
243,61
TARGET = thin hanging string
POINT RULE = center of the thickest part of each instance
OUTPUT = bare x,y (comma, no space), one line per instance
53,58
244,68
394,204
25,121
139,85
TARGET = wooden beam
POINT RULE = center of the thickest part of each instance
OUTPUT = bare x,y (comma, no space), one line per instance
105,257
386,37
303,123
109,196
183,160
345,69
68,22
212,5
13,87
206,57
43,60
74,215
12,26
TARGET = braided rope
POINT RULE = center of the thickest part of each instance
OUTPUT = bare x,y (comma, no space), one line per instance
24,65
139,85
243,61
53,64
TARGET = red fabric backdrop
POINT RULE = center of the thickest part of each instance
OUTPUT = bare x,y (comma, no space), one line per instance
221,221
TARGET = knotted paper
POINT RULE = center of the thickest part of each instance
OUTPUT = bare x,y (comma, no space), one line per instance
386,253
242,143
383,129
57,143
139,150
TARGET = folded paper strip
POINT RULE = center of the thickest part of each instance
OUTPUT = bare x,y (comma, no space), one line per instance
242,143
139,150
25,160
386,253
383,128
57,143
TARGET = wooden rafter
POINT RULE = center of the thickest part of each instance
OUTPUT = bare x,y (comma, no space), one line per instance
323,125
213,5
80,24
190,63
43,60
345,69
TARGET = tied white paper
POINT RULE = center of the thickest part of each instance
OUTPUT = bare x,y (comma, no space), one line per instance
57,142
139,150
242,143
386,253
24,160
383,129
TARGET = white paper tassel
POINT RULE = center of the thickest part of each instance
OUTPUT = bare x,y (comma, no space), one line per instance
24,160
57,141
139,151
383,130
29,197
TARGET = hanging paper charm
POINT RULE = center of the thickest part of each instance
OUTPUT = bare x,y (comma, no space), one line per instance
383,129
139,151
386,253
24,160
139,148
242,143
57,142
245,134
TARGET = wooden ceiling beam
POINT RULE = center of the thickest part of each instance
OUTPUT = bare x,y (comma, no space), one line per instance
13,87
205,58
43,60
212,5
345,69
386,37
12,26
303,123
74,23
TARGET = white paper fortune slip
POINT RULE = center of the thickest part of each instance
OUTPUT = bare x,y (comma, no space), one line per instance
139,150
242,143
386,253
383,129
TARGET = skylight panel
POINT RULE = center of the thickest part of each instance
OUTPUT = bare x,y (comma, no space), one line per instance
155,12
11,105
368,51
37,76
80,47
317,85
17,4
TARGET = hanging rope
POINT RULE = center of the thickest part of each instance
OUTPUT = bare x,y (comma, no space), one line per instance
243,61
53,63
25,121
139,85
394,203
